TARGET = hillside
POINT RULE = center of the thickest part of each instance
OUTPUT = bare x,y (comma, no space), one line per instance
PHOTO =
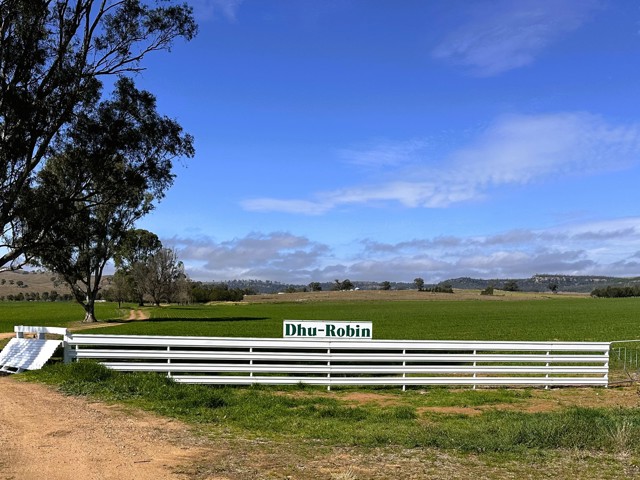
541,283
537,283
32,284
29,284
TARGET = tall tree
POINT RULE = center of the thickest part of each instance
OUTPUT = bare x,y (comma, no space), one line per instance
160,276
54,56
136,247
116,161
120,289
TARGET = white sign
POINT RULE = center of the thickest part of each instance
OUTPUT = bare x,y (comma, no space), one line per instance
327,329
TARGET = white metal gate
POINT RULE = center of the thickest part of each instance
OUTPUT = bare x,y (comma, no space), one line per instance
224,360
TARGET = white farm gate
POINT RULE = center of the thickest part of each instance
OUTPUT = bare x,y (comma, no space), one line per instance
224,360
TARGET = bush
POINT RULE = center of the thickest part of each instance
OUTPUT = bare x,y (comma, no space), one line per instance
617,292
442,288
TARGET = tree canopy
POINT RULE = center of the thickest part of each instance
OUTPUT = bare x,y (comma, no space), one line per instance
116,160
54,57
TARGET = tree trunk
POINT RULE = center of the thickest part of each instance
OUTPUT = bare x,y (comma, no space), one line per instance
89,308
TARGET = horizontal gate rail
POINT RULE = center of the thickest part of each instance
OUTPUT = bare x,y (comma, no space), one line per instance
224,360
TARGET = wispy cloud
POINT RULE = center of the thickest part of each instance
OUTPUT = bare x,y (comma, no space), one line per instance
515,149
208,9
504,35
386,154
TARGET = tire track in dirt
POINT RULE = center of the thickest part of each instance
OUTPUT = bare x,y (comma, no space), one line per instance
47,435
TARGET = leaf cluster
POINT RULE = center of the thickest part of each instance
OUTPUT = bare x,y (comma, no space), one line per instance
53,59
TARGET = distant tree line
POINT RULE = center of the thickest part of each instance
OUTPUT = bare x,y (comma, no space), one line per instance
440,288
616,292
343,285
217,292
52,296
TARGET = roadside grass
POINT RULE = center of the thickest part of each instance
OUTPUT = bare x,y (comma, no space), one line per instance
315,416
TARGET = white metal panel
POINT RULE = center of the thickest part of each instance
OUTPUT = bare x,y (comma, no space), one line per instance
334,357
346,369
486,381
34,329
231,342
27,354
344,362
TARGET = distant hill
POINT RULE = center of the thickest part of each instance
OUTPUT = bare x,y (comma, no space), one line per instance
30,283
537,283
540,283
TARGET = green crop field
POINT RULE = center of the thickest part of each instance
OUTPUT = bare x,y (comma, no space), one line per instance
565,319
555,318
50,314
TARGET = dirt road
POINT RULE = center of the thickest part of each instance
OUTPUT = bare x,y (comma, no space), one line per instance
45,435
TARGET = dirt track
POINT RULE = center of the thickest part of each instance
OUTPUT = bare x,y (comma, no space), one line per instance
45,435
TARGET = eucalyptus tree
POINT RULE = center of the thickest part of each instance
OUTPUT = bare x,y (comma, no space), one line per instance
54,57
161,276
135,248
115,162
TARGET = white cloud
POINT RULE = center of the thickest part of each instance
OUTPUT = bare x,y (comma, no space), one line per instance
521,148
305,207
386,154
257,255
504,35
596,248
608,247
208,9
514,149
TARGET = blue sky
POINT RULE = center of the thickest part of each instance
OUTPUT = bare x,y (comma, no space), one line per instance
386,140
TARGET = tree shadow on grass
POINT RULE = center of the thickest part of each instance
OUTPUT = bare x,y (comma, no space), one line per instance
187,319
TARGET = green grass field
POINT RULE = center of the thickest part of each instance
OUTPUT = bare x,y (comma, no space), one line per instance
556,318
50,314
564,319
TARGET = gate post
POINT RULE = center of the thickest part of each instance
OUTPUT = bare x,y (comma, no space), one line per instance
66,356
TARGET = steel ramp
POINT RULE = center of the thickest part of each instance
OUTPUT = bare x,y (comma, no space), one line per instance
22,354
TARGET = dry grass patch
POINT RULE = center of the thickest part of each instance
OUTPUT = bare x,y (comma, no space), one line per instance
398,295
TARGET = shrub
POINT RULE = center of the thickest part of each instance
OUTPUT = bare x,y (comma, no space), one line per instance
487,291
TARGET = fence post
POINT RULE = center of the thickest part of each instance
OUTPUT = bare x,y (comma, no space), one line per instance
546,387
251,361
606,375
329,372
404,373
168,360
475,364
66,356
